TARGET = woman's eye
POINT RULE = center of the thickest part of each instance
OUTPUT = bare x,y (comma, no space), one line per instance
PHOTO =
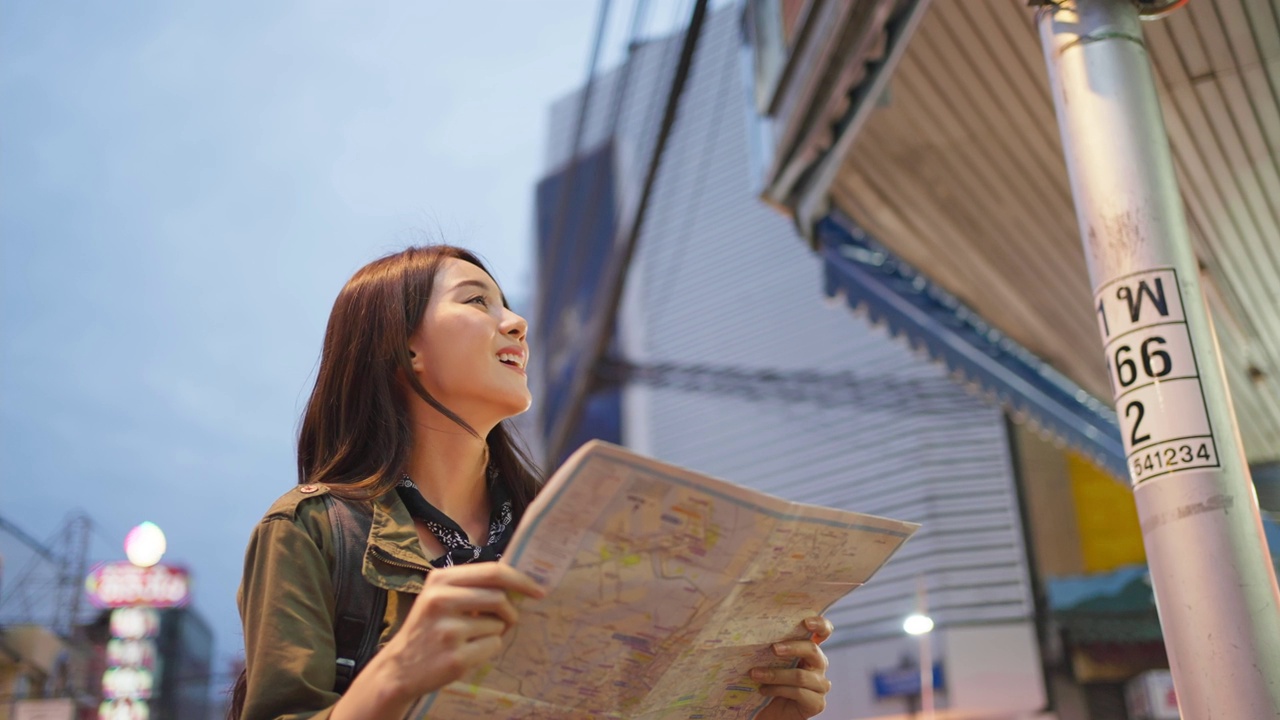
479,299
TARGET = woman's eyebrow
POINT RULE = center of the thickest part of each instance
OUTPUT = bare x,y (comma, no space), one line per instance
487,287
474,283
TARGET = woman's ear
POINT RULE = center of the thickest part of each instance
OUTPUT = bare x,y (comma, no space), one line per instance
415,358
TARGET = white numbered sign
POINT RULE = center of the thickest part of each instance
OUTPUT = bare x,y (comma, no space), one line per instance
1154,376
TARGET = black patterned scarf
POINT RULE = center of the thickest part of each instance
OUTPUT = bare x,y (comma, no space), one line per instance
460,551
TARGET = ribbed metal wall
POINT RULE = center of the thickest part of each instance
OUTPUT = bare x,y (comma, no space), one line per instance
721,279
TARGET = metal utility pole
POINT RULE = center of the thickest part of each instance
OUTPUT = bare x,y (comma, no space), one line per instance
1214,583
926,653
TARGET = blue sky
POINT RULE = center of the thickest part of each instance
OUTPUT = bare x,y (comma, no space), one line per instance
184,187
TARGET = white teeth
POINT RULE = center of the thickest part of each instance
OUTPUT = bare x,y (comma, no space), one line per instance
513,359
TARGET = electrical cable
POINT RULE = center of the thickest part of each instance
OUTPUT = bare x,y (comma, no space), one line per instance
571,281
931,396
583,107
600,330
560,296
1156,9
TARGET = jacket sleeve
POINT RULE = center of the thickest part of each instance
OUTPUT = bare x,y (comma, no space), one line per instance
287,606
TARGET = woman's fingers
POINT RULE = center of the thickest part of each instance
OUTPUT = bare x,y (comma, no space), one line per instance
480,650
472,592
807,702
457,623
484,626
792,677
806,651
820,627
466,657
487,575
479,589
799,691
449,601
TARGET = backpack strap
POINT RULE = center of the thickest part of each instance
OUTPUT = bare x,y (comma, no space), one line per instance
359,605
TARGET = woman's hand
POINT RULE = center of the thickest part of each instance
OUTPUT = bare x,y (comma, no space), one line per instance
799,692
455,625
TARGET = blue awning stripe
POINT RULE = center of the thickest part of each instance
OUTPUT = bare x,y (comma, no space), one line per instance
913,306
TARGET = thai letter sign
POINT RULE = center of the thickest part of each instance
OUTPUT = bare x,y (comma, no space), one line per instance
122,584
1161,407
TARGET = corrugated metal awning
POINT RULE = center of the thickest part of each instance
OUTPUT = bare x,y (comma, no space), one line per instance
894,294
959,172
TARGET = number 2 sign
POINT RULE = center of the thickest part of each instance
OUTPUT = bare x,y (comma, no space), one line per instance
1154,376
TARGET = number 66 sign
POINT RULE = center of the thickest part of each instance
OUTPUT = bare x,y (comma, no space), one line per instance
1154,376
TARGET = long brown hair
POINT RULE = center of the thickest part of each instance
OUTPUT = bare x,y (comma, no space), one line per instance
356,431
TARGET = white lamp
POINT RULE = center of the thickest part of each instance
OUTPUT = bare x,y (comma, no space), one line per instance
145,544
917,624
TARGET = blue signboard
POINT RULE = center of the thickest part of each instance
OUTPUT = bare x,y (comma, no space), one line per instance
901,682
576,224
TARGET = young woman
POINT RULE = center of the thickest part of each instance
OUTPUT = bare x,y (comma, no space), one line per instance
423,363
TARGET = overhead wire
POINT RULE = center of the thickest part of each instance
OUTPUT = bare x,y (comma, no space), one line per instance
600,329
571,281
558,218
932,396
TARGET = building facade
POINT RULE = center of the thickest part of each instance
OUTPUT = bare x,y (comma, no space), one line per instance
730,358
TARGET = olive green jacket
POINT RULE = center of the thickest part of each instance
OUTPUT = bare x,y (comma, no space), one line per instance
287,601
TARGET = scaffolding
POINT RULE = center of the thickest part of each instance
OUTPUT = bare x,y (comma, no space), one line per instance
48,587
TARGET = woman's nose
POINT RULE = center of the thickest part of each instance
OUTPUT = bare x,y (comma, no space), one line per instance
517,326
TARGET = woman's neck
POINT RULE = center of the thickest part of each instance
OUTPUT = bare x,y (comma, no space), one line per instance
448,465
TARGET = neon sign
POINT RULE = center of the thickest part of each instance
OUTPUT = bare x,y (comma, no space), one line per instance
122,584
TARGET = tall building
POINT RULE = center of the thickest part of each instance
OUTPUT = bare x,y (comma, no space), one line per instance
185,650
729,360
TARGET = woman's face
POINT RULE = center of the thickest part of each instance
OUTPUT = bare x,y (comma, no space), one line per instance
469,351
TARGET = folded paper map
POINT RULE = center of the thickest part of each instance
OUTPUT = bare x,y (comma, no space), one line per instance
665,587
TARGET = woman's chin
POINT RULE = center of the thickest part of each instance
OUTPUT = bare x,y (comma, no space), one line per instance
525,403
514,404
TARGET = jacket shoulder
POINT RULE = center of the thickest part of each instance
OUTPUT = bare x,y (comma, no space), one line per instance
287,505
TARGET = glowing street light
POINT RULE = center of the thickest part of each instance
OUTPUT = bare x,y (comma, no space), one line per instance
145,545
920,625
917,624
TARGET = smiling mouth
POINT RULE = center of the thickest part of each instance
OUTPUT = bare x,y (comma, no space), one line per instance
515,368
515,362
